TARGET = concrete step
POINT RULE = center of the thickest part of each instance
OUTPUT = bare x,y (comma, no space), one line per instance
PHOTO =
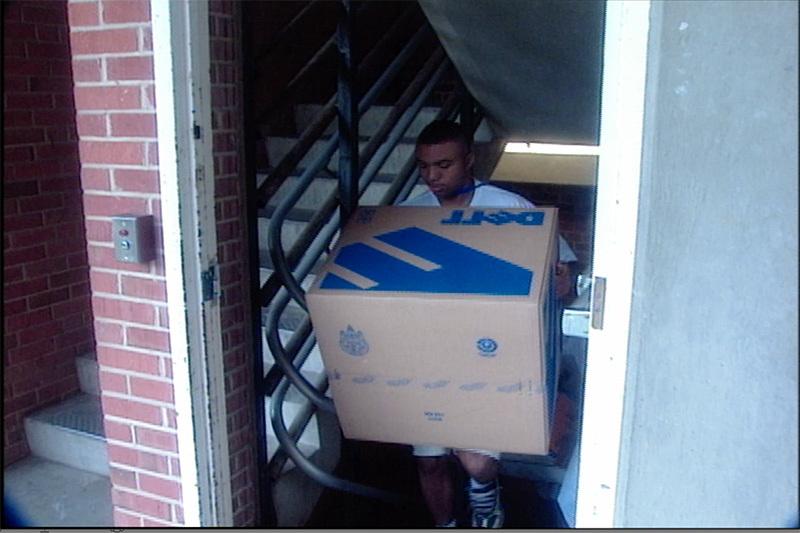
277,147
70,433
313,368
370,122
266,272
293,313
311,200
290,232
88,373
294,511
319,190
294,404
46,494
373,119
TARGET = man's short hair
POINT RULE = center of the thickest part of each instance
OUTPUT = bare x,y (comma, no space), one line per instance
440,131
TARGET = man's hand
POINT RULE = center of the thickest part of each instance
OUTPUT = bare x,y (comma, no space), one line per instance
563,280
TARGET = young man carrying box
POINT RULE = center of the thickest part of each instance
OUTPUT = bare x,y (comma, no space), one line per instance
445,159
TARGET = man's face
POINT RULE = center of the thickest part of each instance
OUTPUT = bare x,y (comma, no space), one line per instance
445,167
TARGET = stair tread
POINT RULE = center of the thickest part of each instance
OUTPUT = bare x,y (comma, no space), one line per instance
380,177
48,494
82,413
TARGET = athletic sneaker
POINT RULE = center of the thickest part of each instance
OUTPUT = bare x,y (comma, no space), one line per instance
492,519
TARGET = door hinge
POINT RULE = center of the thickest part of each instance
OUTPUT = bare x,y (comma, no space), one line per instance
210,282
196,131
598,302
575,323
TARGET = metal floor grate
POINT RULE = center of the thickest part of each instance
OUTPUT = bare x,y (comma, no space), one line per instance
82,413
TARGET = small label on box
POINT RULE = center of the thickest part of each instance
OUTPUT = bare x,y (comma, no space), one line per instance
434,416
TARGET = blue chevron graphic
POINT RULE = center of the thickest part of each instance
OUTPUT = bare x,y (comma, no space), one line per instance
463,270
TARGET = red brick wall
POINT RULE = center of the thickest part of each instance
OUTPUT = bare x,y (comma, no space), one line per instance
114,95
47,317
226,102
112,58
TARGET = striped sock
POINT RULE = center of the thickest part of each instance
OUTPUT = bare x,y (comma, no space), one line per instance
482,496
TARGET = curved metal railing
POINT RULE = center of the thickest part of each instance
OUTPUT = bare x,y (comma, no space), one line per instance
292,267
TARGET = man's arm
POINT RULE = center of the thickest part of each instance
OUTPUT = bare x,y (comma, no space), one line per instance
565,285
565,280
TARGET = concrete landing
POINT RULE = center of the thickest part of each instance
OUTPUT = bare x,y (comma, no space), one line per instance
48,494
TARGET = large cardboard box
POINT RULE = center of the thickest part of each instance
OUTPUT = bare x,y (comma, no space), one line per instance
438,326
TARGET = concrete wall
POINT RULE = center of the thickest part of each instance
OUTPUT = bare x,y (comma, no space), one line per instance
710,428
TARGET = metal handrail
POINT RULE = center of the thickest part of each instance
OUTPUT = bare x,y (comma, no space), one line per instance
287,94
322,120
288,437
271,286
322,241
309,468
327,222
289,28
347,111
277,253
399,109
303,418
314,251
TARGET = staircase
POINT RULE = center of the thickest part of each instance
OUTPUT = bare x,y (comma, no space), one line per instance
296,406
65,482
386,134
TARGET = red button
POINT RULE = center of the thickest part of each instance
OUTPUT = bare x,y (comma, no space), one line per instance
123,232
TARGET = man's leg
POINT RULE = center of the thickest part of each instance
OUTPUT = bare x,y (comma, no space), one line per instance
484,489
436,483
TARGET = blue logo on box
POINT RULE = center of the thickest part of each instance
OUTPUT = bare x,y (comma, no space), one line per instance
461,269
498,218
352,342
487,347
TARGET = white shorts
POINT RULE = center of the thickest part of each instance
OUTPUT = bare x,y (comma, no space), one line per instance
438,451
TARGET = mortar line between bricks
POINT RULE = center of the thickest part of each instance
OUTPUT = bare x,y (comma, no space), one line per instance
110,84
156,497
134,349
134,299
140,470
109,26
134,374
113,166
119,322
100,112
142,275
139,399
142,448
118,138
140,492
121,194
113,140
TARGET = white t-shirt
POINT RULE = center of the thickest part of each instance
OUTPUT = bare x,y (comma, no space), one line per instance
490,196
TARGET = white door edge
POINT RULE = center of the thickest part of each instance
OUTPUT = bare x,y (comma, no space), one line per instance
619,168
182,88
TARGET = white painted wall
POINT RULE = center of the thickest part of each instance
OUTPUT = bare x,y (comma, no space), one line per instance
710,428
